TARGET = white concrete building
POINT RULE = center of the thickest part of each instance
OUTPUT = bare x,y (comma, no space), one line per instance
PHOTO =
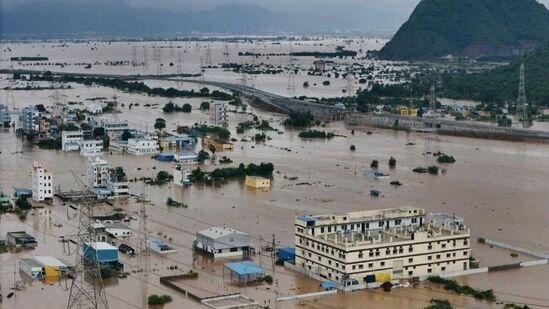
97,172
71,140
42,183
29,120
117,183
142,146
379,245
91,147
218,114
181,176
95,109
223,242
186,157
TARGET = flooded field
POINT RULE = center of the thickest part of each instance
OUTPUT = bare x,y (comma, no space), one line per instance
500,188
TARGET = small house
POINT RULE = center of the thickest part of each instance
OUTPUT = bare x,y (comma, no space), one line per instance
158,246
218,145
243,272
31,268
257,182
186,158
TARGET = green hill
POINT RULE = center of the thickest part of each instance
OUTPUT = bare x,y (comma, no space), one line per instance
469,28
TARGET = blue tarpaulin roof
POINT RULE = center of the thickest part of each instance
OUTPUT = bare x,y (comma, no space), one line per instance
244,268
306,218
328,285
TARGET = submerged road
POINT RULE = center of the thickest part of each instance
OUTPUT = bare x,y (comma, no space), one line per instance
262,98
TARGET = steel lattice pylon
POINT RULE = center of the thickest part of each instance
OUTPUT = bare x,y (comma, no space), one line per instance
142,254
87,291
522,103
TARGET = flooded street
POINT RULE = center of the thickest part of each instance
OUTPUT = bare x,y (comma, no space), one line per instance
500,188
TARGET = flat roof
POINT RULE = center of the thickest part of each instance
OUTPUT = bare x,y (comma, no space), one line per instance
218,231
49,261
31,263
245,268
102,246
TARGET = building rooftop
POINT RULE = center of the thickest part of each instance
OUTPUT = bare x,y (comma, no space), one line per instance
216,232
31,263
245,268
366,215
392,235
50,261
102,246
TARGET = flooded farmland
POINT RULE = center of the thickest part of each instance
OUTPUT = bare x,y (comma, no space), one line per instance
500,188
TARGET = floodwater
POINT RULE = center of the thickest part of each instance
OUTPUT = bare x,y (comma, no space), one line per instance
500,188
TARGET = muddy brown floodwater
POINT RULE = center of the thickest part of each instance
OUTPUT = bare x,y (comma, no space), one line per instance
500,188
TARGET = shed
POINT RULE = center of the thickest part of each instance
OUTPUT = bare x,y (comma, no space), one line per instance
286,254
243,272
31,268
20,239
223,242
165,157
101,252
160,247
328,285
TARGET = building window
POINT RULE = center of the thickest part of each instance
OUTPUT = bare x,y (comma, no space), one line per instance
382,264
430,257
370,265
443,268
410,273
429,270
410,260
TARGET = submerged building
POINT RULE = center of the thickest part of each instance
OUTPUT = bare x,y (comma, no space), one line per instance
42,183
223,242
379,245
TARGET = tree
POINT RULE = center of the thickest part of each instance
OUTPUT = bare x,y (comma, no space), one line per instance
23,203
99,131
187,108
126,135
169,107
392,162
203,156
352,148
374,164
305,84
160,125
204,91
205,105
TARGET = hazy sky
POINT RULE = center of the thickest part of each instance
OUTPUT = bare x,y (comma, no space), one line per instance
385,14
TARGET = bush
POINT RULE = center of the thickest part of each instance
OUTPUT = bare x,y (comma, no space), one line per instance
433,170
387,286
205,105
352,148
300,120
23,203
446,159
374,164
159,299
316,134
452,285
439,304
392,162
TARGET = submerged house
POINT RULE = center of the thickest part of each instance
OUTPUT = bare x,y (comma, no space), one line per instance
223,242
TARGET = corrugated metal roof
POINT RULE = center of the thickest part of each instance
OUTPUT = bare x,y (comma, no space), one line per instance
217,231
245,268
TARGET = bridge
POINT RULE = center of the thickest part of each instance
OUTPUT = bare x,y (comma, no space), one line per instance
260,98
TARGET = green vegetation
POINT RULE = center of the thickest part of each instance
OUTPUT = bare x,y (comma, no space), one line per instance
51,144
439,304
219,132
203,156
191,275
340,52
387,286
446,159
139,87
263,170
431,170
173,203
205,105
159,299
316,134
260,137
162,178
225,160
374,164
126,135
159,124
299,120
452,285
352,148
392,162
23,203
171,108
468,28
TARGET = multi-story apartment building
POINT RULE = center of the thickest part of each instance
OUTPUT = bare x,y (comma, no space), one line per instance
379,245
97,172
29,120
117,183
142,146
218,114
5,116
42,183
91,147
70,140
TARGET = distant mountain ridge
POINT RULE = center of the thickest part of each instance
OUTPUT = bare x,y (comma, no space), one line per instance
37,19
469,28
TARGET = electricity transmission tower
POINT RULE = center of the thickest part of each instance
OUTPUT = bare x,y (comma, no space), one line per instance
522,103
291,71
157,58
143,256
145,58
10,98
209,61
349,80
87,291
433,99
134,56
227,54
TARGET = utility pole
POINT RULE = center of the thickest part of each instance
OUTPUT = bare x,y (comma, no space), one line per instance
145,58
179,66
291,71
134,56
209,61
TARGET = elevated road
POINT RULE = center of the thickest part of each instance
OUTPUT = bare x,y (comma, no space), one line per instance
261,98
